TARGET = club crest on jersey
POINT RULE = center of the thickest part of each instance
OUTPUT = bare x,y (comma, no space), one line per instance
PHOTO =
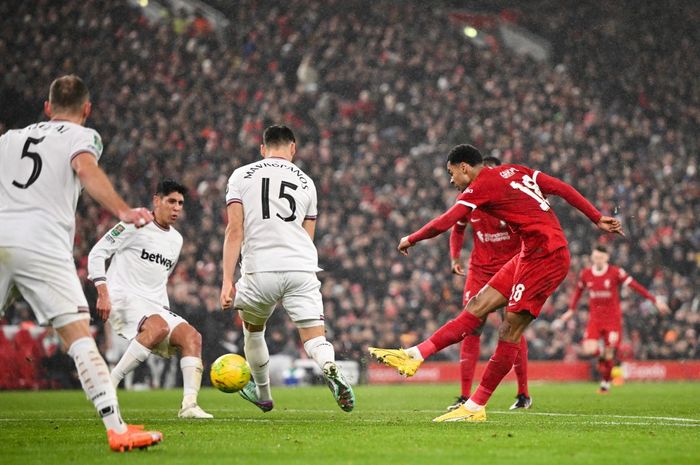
97,143
117,230
607,284
156,258
505,174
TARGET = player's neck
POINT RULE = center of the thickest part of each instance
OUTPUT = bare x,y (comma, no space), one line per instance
69,118
162,224
280,155
599,271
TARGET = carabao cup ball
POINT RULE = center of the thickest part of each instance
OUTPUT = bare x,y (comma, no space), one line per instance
229,373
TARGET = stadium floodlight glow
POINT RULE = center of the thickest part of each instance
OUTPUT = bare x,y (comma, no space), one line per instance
470,32
143,3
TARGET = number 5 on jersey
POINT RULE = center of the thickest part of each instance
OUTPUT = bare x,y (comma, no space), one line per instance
282,195
36,159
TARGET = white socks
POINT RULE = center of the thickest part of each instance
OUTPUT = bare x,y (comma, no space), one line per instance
320,350
258,357
472,406
134,356
96,382
414,353
191,379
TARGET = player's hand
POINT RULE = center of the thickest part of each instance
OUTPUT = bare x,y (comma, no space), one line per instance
611,225
662,307
404,245
104,304
137,216
457,268
228,291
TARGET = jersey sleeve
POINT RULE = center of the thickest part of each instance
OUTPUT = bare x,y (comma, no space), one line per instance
115,239
442,223
550,185
633,284
233,189
457,239
580,286
87,140
312,211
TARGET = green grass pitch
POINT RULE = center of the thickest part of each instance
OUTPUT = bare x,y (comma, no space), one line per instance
569,424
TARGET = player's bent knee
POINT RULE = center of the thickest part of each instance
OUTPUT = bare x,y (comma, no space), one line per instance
155,327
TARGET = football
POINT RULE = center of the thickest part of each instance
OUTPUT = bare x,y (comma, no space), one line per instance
229,373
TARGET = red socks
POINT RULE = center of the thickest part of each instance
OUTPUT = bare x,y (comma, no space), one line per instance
605,369
520,368
468,357
498,367
450,333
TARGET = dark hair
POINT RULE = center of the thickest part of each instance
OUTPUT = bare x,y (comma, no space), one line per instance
278,135
167,186
492,161
464,153
601,248
68,93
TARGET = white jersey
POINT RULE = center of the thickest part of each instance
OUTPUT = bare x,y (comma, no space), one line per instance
277,197
38,188
142,262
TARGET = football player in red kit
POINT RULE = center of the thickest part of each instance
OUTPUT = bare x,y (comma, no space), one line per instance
602,281
517,195
494,244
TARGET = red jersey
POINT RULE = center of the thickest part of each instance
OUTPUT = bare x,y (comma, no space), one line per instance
604,294
494,242
517,195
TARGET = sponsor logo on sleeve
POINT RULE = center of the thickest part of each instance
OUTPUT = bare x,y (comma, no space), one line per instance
117,230
97,142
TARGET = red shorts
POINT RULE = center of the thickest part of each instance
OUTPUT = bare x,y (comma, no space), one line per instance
528,282
610,334
476,279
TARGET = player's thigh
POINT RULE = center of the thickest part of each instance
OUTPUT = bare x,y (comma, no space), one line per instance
302,299
502,281
611,338
166,348
51,287
590,346
257,295
129,312
535,279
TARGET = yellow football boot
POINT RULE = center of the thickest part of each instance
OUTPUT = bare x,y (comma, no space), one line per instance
462,414
396,358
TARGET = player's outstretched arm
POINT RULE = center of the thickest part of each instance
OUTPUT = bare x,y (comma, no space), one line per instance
232,250
644,292
456,241
435,227
96,182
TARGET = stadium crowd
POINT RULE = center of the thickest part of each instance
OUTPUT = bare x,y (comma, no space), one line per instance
377,92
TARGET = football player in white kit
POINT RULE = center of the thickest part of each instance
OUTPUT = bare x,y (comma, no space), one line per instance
44,168
271,206
133,293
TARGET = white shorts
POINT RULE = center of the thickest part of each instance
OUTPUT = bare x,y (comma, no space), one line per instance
130,311
50,285
257,294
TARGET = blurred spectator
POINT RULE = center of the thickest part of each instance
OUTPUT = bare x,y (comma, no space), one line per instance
377,91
